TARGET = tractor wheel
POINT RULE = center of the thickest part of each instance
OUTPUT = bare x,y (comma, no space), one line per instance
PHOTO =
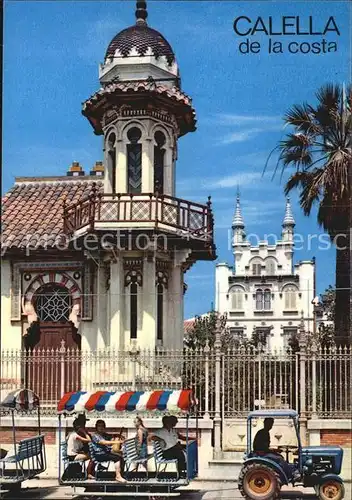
259,482
331,490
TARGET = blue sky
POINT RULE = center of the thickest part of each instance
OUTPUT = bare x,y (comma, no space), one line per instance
51,56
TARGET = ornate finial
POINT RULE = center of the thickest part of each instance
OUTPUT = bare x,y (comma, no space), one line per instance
288,218
141,12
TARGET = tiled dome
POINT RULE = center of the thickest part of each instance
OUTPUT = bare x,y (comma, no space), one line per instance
141,38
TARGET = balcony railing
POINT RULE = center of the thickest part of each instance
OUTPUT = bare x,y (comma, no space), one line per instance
148,211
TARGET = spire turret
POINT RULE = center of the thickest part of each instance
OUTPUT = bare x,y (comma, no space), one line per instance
239,234
237,221
288,218
288,223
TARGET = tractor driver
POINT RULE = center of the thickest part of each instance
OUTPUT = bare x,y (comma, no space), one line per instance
261,446
261,442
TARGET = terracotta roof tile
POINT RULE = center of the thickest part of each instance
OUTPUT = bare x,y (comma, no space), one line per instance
32,211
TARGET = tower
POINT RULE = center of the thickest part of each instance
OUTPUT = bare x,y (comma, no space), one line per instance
141,112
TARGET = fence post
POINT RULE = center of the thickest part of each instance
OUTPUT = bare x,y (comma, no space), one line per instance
134,353
302,342
62,351
314,349
217,418
206,352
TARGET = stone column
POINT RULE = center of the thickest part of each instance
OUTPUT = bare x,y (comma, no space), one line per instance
121,167
148,166
148,340
173,322
168,173
116,297
103,339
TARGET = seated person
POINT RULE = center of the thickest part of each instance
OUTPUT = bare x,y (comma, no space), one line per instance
142,440
170,445
261,443
82,431
102,443
261,446
76,441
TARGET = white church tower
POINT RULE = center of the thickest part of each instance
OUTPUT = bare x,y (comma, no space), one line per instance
264,293
148,237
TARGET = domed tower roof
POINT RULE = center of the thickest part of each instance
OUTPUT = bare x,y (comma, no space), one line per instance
140,39
139,52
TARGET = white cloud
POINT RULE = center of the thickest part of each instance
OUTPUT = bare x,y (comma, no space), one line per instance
233,119
245,135
239,179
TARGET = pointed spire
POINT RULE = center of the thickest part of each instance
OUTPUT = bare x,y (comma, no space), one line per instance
288,218
141,12
237,221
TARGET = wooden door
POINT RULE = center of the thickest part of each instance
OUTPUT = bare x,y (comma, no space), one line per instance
51,370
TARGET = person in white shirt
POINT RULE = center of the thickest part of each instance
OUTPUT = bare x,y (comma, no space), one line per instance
169,441
76,442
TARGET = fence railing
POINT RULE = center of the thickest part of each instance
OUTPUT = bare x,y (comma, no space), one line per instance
315,381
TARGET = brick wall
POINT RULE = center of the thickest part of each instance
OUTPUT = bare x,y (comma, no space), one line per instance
6,435
336,437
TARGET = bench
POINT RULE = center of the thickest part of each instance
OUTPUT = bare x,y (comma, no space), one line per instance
161,461
30,460
130,455
98,464
69,469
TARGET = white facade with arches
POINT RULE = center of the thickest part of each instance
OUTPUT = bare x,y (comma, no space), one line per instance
265,294
99,259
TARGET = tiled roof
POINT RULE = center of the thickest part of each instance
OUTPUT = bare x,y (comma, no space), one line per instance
149,86
141,38
188,325
95,106
32,211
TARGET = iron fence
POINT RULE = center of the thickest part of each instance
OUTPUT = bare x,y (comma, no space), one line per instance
228,383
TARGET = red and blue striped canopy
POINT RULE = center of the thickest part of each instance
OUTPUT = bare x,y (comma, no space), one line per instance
20,400
139,401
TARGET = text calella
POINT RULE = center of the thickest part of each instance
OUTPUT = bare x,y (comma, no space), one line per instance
284,26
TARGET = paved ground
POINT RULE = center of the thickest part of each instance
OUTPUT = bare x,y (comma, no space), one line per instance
49,490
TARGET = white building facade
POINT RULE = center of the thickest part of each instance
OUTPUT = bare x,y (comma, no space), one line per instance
265,295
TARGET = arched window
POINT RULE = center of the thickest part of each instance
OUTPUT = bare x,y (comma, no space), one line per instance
53,303
256,267
290,297
270,266
267,300
160,312
259,300
111,158
133,310
236,298
134,161
159,154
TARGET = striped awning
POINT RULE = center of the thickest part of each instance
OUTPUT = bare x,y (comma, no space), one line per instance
140,401
20,400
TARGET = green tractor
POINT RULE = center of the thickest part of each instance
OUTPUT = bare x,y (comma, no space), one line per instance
265,472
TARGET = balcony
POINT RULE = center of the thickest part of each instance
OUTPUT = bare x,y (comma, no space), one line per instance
181,219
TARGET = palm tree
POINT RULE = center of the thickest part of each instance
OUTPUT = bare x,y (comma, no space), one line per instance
320,150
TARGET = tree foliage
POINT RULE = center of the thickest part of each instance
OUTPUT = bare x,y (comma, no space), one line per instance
319,148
